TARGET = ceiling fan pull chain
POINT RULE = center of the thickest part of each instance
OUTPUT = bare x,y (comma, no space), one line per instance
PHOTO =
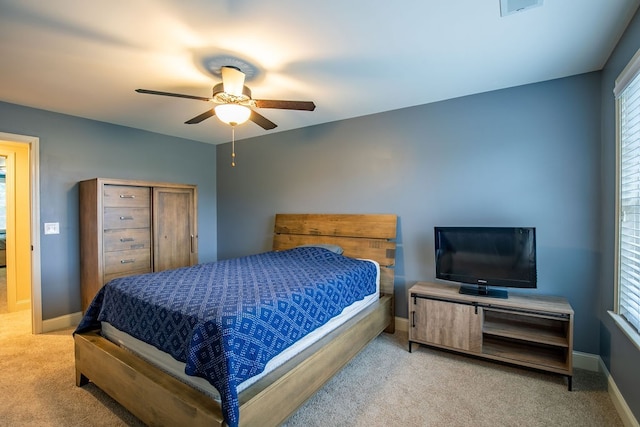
233,146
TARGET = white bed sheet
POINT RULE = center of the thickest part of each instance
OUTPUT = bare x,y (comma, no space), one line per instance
176,368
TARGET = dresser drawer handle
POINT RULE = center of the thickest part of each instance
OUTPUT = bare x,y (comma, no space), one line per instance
127,261
127,196
127,239
124,218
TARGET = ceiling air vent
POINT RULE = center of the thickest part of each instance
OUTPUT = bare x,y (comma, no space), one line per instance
509,7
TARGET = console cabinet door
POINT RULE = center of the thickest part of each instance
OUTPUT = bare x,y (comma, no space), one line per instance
447,324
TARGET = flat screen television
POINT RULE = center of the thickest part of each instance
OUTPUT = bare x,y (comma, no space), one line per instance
482,257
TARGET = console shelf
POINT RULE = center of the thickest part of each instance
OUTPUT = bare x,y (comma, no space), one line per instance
523,353
531,331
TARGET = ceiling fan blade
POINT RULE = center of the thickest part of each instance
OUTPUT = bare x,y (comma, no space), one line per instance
201,117
176,95
233,80
262,121
285,105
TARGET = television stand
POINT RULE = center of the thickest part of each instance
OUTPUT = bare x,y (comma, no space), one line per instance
483,291
525,330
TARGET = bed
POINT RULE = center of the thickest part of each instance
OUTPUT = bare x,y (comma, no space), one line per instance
159,397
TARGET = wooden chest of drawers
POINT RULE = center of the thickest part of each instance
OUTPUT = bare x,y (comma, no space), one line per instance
127,230
134,227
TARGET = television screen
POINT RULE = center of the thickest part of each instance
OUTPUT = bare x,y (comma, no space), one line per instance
486,256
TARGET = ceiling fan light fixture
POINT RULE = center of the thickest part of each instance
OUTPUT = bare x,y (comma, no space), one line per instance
232,114
232,80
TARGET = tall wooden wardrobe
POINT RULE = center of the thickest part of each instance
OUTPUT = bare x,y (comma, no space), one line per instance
133,227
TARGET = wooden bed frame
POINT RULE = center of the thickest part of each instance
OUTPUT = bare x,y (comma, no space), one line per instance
157,398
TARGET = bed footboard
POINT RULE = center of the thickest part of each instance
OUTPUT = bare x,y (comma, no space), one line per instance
159,399
150,394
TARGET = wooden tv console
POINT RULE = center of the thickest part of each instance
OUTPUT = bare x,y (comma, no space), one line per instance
525,330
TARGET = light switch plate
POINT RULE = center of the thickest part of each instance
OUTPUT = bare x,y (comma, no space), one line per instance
51,228
509,7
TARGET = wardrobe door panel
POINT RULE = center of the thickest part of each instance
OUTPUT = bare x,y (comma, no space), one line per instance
174,226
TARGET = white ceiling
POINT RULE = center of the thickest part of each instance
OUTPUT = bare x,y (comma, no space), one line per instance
352,58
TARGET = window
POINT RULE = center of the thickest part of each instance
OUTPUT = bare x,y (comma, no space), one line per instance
627,93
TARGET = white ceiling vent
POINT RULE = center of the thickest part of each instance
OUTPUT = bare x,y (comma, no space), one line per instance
508,7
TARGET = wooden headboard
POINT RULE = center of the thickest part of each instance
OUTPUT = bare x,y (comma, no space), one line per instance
360,235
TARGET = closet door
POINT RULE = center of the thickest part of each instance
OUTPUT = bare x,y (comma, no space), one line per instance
174,227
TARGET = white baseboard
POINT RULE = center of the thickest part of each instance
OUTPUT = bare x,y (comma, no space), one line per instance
628,419
586,361
402,324
62,322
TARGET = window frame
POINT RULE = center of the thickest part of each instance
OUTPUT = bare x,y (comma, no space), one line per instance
627,76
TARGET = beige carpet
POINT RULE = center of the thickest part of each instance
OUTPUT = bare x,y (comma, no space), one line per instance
384,385
37,381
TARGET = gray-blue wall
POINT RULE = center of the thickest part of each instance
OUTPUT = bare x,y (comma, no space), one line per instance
620,355
524,156
73,149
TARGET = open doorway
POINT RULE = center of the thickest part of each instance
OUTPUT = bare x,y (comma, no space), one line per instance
21,236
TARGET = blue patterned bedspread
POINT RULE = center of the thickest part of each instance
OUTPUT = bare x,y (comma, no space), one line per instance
226,320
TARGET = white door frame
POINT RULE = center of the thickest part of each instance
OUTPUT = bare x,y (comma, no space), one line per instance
34,174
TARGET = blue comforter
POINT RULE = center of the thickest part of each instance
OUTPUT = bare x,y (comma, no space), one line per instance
226,320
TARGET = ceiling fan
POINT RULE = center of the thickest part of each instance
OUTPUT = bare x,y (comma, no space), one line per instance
234,103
